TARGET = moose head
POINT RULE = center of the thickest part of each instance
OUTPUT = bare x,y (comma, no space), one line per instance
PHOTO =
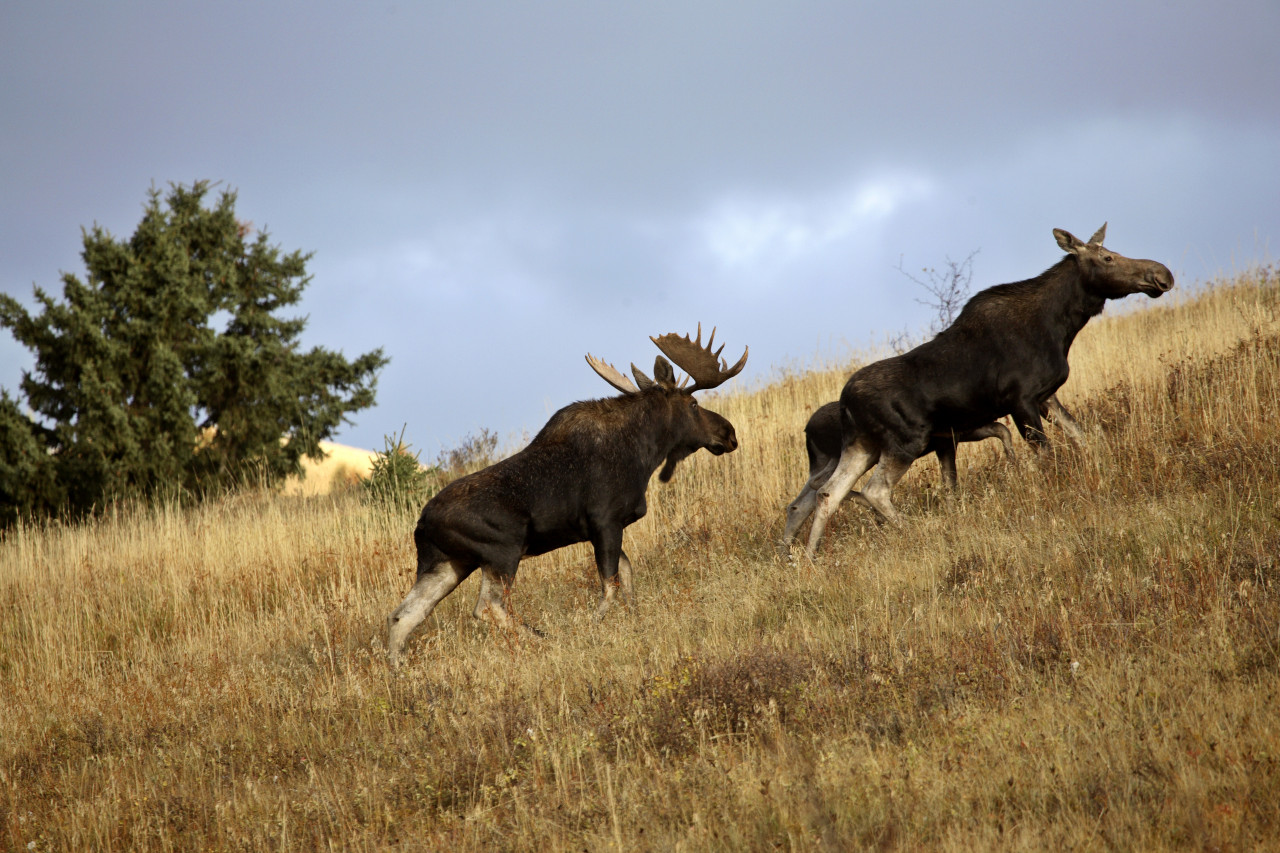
697,427
1109,274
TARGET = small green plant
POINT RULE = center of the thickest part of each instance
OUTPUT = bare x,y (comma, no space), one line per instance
397,477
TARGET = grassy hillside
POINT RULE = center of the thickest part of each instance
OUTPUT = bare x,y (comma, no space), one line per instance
1081,651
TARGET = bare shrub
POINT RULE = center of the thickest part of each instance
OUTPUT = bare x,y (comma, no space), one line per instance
949,289
478,450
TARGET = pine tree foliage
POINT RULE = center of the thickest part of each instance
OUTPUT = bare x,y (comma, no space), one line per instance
28,485
169,366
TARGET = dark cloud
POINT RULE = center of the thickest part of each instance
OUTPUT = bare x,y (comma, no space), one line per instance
491,190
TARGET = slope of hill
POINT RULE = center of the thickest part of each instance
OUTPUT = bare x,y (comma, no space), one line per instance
1081,651
341,467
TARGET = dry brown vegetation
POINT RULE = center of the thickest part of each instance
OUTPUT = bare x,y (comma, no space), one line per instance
1081,652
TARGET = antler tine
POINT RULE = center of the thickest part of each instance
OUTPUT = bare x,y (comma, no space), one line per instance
610,374
706,367
711,341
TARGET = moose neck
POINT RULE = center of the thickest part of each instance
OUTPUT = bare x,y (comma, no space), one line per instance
657,431
1069,305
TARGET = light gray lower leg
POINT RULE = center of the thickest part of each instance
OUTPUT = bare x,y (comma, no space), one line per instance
1065,420
624,579
854,462
426,593
797,511
880,487
489,601
607,590
495,586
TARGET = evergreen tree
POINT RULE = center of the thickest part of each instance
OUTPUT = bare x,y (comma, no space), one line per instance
169,367
27,482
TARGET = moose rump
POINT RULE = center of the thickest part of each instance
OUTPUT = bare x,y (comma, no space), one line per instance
582,478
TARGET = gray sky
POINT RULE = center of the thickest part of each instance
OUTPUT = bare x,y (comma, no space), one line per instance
492,190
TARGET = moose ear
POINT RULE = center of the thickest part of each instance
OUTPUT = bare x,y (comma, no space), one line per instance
1099,235
643,381
663,373
1068,241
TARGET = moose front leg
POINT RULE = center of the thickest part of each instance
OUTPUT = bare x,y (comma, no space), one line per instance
1058,413
946,453
1026,416
624,578
614,569
496,582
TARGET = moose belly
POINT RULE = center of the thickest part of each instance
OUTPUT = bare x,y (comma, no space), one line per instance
542,541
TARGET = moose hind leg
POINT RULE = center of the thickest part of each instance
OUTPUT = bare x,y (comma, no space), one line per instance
802,507
432,585
854,462
495,588
797,511
879,488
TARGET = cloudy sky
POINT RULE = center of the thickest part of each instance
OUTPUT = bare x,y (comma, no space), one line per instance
492,190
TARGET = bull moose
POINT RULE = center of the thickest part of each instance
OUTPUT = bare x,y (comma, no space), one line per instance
583,478
1006,354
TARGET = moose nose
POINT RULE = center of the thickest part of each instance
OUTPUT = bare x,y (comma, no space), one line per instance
1163,279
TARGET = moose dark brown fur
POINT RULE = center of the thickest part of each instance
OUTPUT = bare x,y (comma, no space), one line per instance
1006,354
583,478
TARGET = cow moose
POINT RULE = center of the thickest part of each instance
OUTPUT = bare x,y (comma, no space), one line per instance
583,478
1006,354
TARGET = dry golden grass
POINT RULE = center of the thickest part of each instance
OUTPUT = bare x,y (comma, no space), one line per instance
1082,652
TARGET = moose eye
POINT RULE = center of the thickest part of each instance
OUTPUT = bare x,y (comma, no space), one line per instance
693,402
1108,258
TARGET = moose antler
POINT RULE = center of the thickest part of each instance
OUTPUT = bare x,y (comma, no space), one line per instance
706,367
610,374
